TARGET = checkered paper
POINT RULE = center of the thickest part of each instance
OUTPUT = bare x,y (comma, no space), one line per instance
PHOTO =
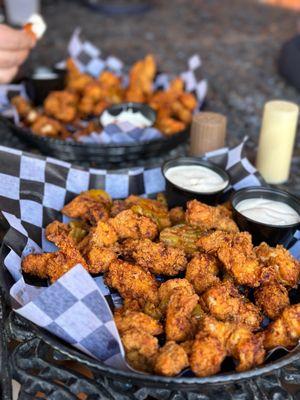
77,308
89,59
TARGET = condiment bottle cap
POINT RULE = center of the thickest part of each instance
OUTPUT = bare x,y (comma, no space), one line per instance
208,132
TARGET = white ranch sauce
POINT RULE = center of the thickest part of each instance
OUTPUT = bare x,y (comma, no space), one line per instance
135,118
196,178
268,211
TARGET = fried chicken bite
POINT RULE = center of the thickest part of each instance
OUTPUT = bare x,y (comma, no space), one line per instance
117,207
103,234
153,209
126,319
37,264
169,126
155,257
224,302
171,359
26,111
45,126
181,236
130,225
141,349
202,272
285,330
132,282
271,298
61,105
180,324
207,217
278,264
91,206
100,258
141,78
167,288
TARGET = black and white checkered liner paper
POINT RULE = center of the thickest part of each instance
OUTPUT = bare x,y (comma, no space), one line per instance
33,189
89,59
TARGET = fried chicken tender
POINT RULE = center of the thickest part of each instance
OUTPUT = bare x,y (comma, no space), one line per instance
171,360
76,80
91,206
61,105
202,272
153,209
103,234
141,349
224,302
279,265
155,257
181,236
272,298
100,258
141,78
45,126
216,340
177,216
136,320
117,207
207,217
167,288
285,330
169,126
132,282
37,264
180,324
236,253
129,225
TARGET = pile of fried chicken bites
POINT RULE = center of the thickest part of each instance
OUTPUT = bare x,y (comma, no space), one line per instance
215,291
85,97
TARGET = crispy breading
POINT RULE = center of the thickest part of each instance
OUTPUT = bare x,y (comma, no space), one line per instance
89,206
167,288
129,225
279,265
177,216
155,257
46,126
127,319
61,105
141,349
100,258
171,359
180,324
207,217
285,330
224,302
104,234
202,272
37,264
132,282
272,298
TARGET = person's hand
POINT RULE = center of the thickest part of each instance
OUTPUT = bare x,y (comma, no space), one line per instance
15,46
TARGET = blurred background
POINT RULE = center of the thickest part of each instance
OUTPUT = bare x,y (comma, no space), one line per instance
238,40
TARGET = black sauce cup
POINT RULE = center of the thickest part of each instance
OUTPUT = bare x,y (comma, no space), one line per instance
262,232
38,88
178,196
144,109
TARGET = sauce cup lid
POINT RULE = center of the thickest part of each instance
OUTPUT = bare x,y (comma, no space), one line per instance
260,192
189,161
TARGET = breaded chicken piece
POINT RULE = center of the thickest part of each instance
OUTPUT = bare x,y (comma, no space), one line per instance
180,325
63,262
37,264
171,360
155,257
126,319
91,206
207,355
224,302
202,272
129,225
103,234
285,330
132,282
272,298
141,349
167,288
117,207
187,346
181,236
279,265
153,209
237,255
61,105
217,339
206,217
100,258
177,216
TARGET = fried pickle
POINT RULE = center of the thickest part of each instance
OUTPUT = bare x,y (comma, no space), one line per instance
181,236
